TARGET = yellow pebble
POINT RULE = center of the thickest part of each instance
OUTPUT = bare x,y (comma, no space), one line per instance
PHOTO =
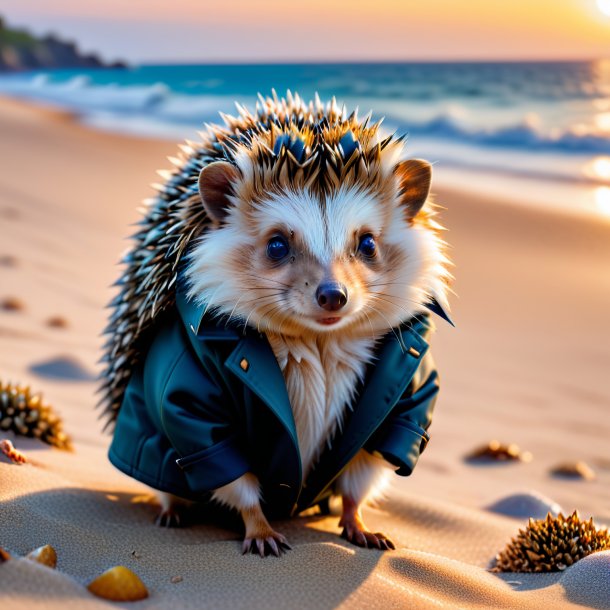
118,584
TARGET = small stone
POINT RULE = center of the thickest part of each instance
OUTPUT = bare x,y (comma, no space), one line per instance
524,505
45,555
11,304
495,451
57,322
118,584
575,470
6,260
176,579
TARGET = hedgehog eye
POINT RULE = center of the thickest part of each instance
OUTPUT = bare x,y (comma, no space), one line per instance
277,248
367,246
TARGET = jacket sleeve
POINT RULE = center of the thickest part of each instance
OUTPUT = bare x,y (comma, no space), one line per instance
195,414
403,435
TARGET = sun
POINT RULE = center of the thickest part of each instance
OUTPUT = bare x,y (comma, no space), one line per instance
604,6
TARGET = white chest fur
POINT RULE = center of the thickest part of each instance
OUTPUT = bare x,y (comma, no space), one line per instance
321,374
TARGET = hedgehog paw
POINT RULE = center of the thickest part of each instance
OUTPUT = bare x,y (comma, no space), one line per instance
355,531
260,538
265,543
169,517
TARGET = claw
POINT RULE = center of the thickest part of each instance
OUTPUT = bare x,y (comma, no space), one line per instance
358,535
168,518
260,538
274,548
260,545
274,544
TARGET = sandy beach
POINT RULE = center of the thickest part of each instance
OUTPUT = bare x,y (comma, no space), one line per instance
528,363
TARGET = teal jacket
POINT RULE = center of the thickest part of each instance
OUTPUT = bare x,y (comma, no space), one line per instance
209,403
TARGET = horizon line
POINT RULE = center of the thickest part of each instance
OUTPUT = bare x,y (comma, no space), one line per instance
322,62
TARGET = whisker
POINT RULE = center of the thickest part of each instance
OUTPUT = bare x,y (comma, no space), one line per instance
370,324
263,313
255,299
273,311
399,339
406,311
267,279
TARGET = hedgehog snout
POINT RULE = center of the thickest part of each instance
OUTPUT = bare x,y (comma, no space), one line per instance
331,296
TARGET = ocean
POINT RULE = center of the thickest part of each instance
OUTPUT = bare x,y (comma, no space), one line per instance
529,132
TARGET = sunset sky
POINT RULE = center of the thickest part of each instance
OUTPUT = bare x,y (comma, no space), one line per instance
323,30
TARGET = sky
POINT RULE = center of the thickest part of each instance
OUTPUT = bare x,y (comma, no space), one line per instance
148,31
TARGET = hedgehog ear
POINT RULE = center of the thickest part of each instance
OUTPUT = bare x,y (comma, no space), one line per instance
414,177
215,187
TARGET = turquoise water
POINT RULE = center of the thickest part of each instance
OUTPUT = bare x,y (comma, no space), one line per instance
544,127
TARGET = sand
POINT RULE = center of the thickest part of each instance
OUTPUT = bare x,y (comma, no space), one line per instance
528,363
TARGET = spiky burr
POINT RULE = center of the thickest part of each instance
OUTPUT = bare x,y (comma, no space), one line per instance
26,414
552,544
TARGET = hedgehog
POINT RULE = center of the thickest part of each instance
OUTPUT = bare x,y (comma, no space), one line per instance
552,544
26,414
268,345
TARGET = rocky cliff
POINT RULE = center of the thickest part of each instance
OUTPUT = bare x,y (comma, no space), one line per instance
20,50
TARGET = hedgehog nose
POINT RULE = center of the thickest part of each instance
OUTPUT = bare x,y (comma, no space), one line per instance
331,296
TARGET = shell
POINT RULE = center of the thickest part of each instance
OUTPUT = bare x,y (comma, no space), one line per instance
552,545
118,584
305,145
26,414
497,451
575,470
13,454
45,555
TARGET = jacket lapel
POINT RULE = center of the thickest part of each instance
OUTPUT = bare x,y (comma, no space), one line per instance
254,363
252,360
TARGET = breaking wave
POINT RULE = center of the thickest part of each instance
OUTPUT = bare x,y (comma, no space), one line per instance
158,109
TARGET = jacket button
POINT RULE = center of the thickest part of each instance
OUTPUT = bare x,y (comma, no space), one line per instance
245,365
413,352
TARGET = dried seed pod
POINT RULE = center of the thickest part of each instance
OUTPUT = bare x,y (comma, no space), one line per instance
45,555
26,414
118,584
575,470
552,545
497,451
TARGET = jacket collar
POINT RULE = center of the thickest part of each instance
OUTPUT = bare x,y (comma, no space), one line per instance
435,307
195,315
